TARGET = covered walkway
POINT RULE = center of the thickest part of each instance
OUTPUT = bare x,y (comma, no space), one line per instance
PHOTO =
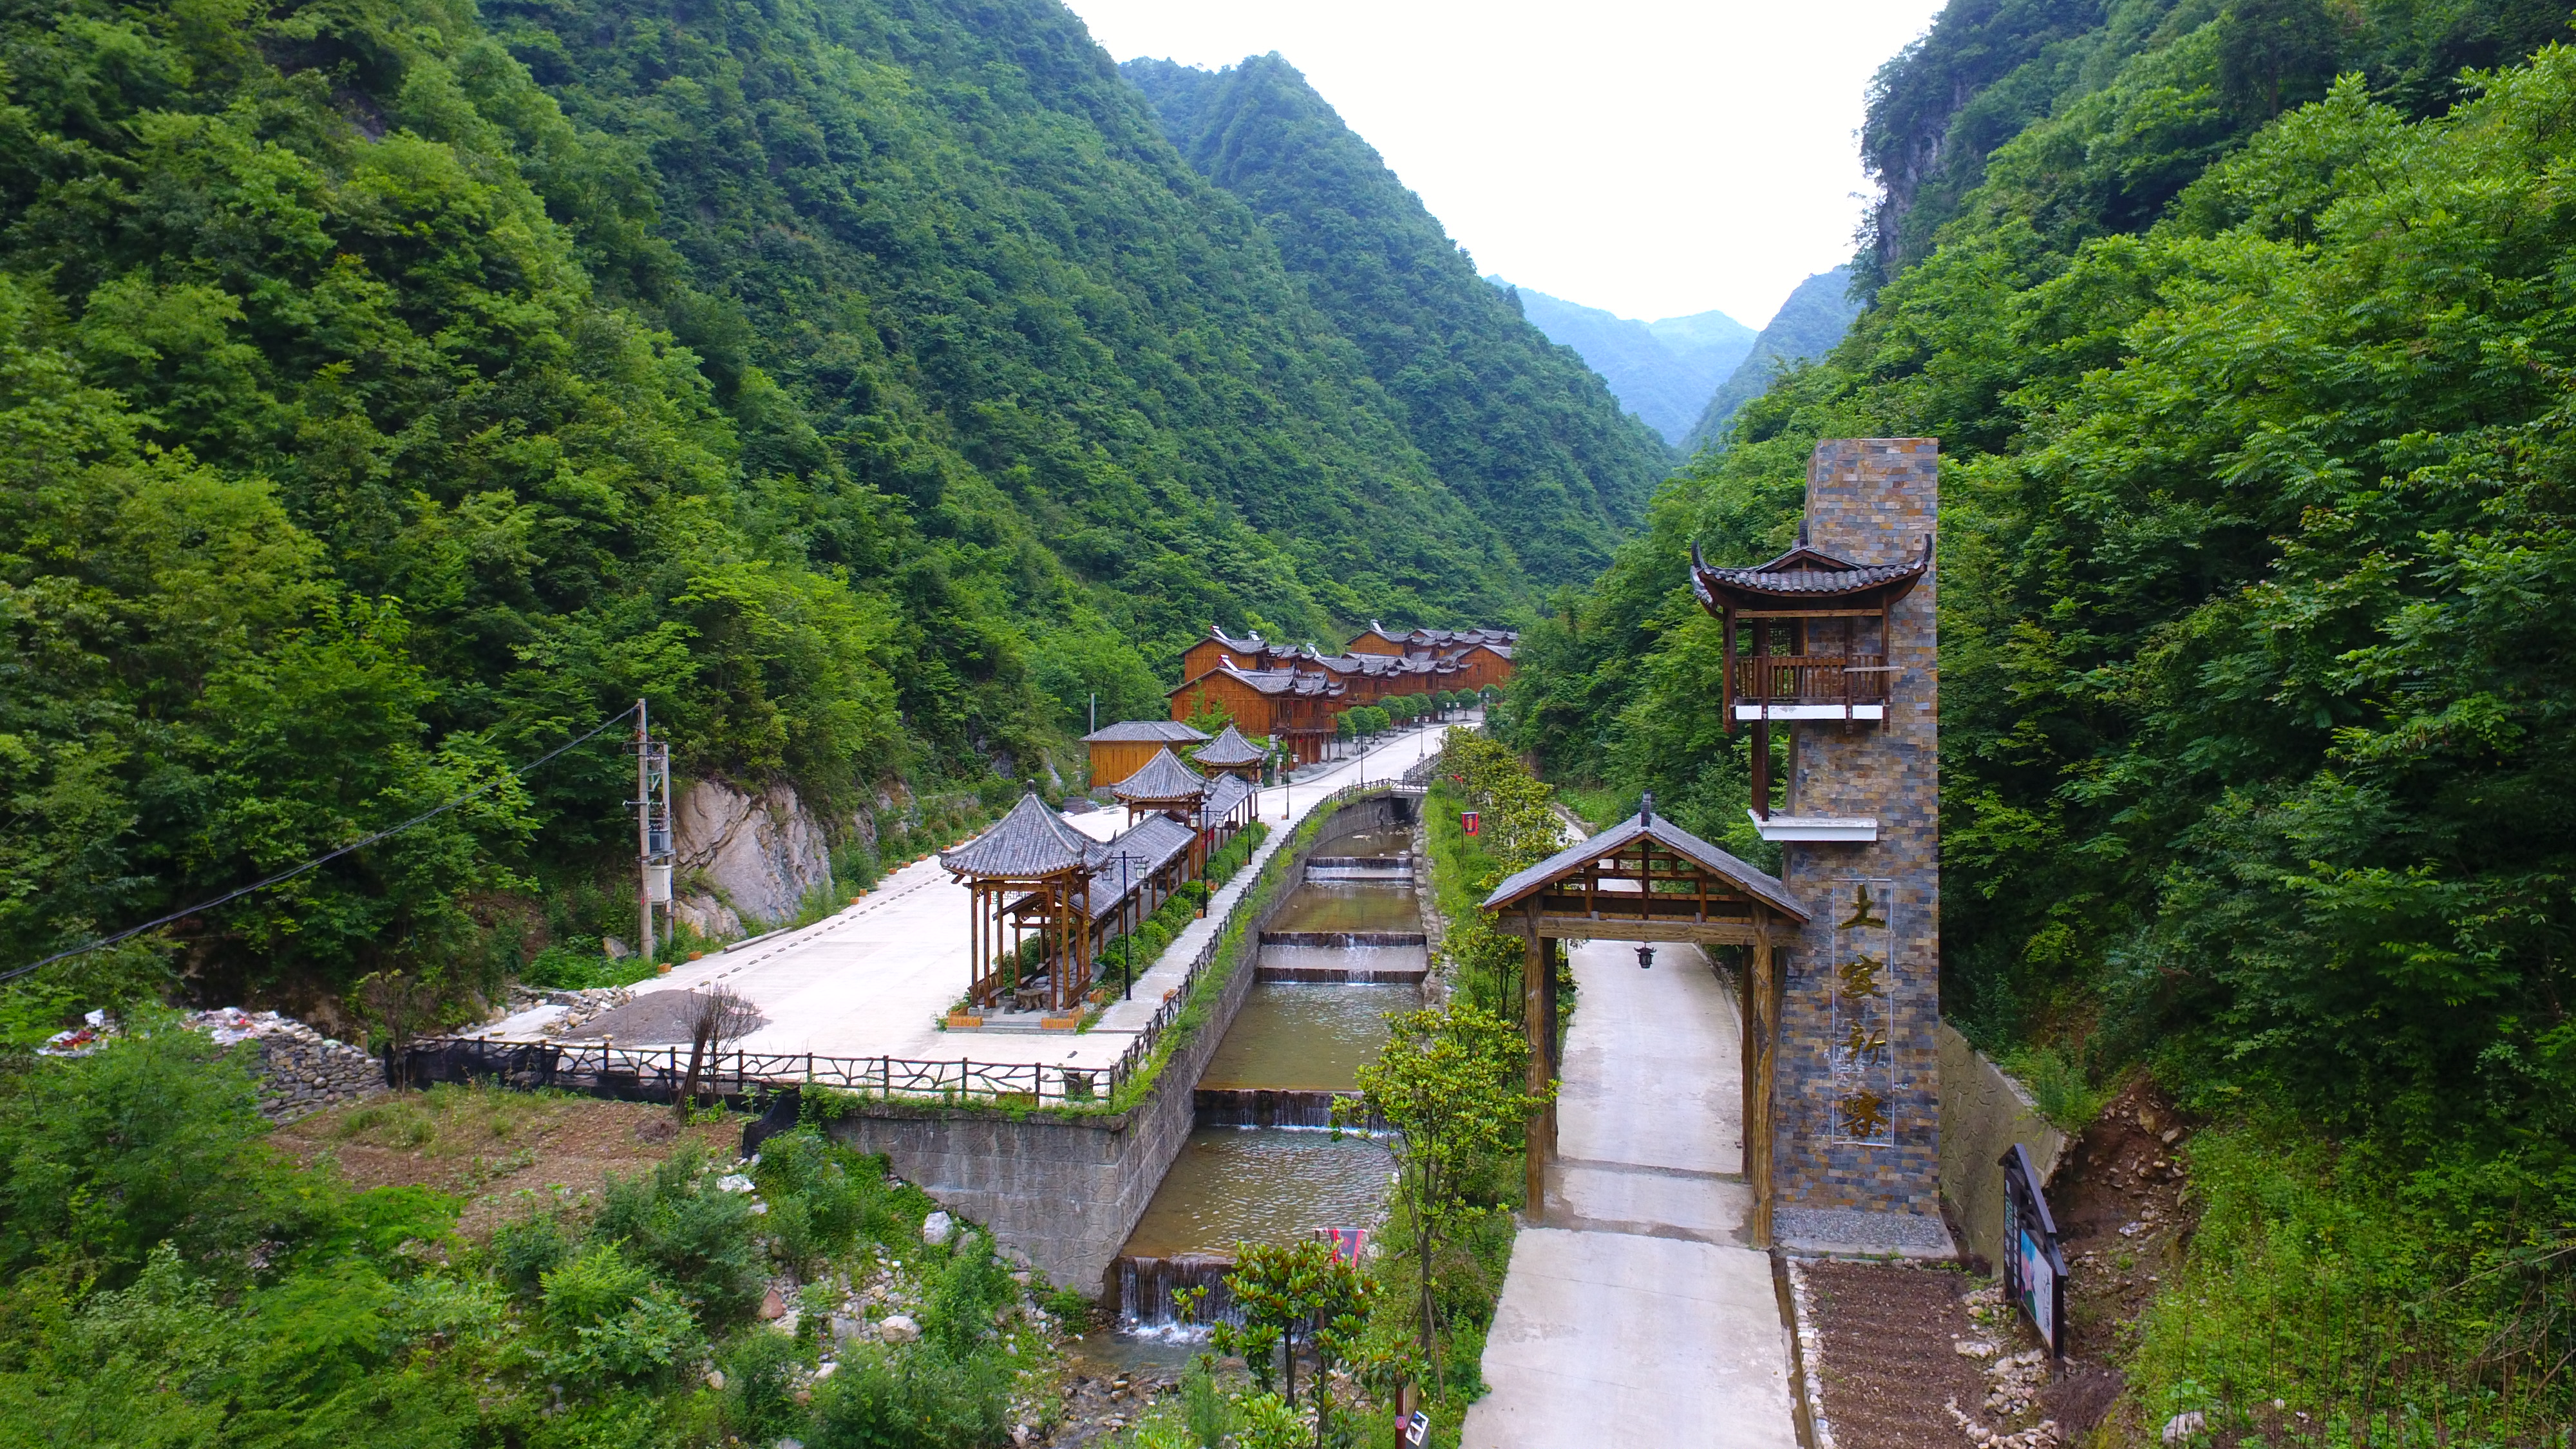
1633,1313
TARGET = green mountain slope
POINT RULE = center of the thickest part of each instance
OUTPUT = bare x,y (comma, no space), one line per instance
1521,430
1662,371
1807,325
392,391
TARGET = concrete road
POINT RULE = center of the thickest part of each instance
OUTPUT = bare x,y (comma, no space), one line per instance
1634,1315
878,978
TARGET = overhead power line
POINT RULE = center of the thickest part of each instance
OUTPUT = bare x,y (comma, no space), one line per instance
320,860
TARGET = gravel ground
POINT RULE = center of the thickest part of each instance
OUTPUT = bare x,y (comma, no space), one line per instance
657,1018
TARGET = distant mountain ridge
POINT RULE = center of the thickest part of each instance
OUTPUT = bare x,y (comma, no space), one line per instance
1662,371
1808,325
1522,432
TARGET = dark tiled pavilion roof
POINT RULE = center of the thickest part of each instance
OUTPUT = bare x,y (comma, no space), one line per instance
1229,748
1031,841
1155,842
1751,879
1161,779
1222,797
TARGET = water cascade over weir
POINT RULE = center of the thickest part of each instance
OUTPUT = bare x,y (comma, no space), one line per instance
1344,951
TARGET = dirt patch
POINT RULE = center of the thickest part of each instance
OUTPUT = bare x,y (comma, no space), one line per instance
657,1018
501,1151
2121,1218
1885,1354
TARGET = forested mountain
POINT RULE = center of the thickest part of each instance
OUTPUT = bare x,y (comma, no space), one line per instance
1663,371
392,391
1807,325
1521,430
2251,385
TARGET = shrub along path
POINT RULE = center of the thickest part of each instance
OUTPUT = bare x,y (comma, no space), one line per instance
1633,1314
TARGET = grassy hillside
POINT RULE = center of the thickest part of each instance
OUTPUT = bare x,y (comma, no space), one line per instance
394,391
1516,426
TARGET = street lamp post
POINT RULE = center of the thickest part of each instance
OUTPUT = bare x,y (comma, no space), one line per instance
1127,957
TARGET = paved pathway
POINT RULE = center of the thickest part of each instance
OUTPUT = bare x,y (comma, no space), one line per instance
1635,1315
878,978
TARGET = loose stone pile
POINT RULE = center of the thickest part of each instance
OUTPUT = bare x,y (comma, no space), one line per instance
580,1007
302,1071
2012,1381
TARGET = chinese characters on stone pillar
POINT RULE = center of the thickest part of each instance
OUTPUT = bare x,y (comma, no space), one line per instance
1864,1067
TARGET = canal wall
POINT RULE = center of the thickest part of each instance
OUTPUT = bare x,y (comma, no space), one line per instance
1064,1191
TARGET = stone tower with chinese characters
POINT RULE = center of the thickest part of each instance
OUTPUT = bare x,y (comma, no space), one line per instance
1833,647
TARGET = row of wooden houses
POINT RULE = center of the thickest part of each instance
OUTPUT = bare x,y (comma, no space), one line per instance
1294,693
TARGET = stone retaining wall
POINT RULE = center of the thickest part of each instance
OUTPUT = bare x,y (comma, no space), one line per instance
1983,1113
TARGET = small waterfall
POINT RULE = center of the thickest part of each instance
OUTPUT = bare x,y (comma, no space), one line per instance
1344,940
1146,1286
1399,965
1273,1107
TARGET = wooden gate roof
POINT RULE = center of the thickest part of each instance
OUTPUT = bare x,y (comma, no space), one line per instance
1644,879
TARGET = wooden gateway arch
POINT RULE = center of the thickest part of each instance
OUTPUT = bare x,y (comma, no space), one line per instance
1647,879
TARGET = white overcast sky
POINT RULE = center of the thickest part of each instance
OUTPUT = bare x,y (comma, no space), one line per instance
1648,157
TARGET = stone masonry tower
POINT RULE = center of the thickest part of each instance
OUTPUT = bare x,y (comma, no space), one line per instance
1837,639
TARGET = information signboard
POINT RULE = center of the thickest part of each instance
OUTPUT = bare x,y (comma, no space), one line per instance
2034,1269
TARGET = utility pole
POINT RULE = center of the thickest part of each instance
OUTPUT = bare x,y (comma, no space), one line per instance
643,831
1095,711
652,827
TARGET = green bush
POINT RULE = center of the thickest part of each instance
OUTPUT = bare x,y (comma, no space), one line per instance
690,1231
924,1399
567,967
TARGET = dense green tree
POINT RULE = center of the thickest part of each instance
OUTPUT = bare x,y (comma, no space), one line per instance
393,391
2254,546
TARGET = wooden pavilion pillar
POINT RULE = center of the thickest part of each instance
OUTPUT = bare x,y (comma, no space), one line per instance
1536,977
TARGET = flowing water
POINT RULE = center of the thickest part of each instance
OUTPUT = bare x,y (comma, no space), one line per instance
1379,843
1374,909
1247,1185
1296,1034
1292,1046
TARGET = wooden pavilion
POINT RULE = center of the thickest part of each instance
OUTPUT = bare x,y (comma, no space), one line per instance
1647,879
1166,787
1029,878
1231,753
1135,872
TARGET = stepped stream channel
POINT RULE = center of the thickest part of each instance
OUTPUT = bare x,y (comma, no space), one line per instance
1344,951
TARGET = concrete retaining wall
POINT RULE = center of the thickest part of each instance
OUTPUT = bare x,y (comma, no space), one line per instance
1983,1113
1064,1192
